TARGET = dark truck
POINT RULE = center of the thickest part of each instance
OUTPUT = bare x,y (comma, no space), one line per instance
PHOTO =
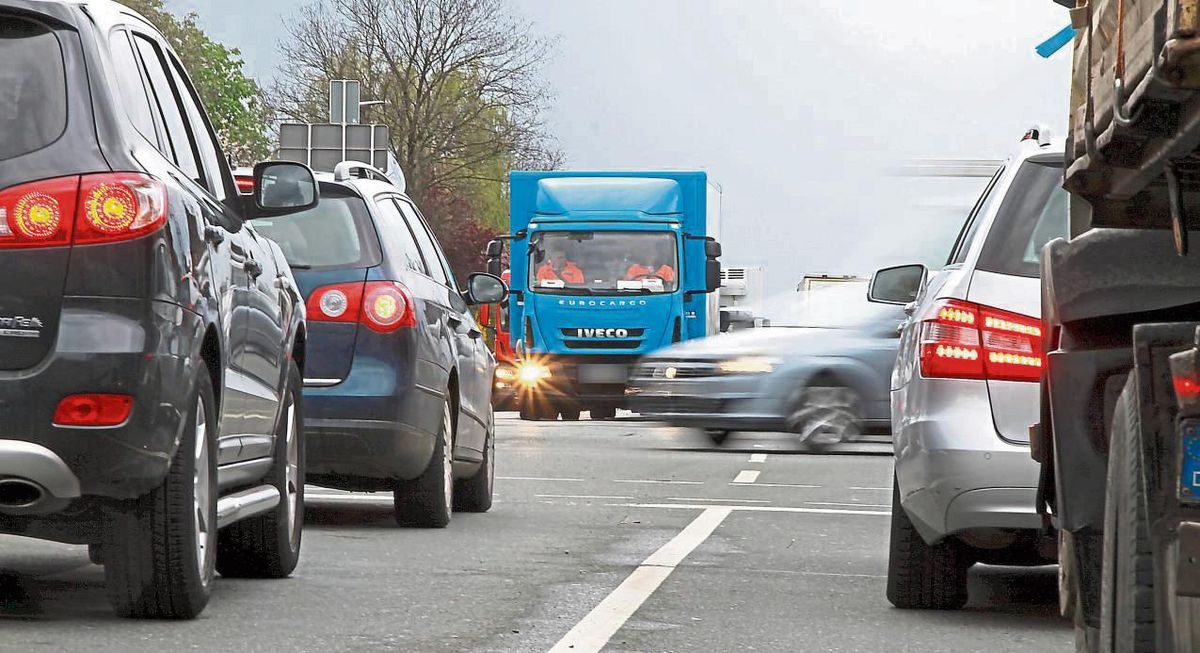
1119,437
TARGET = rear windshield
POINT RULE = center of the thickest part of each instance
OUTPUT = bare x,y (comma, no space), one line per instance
1034,212
33,88
335,234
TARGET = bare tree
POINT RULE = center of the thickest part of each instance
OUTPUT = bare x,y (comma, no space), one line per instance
460,82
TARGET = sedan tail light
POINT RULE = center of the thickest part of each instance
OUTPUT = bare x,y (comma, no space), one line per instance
81,210
968,341
383,306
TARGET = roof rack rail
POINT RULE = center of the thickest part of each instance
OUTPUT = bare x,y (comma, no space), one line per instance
347,170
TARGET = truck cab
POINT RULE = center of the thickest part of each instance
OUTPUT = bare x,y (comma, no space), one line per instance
606,267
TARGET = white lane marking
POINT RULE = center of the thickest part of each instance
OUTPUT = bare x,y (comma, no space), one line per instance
368,498
815,511
592,633
863,505
882,489
747,476
538,478
760,446
578,496
736,483
758,457
717,500
641,480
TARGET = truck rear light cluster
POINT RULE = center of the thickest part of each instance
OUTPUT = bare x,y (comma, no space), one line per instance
968,341
81,210
384,306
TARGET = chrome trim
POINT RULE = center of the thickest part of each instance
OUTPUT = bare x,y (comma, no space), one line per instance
246,503
33,462
321,383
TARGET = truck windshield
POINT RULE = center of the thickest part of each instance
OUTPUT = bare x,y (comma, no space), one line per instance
604,262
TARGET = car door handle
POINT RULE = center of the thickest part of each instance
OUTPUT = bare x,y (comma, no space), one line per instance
454,322
474,334
214,235
252,268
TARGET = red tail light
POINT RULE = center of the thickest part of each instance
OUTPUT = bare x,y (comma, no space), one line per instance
81,210
245,184
93,410
968,341
41,214
383,306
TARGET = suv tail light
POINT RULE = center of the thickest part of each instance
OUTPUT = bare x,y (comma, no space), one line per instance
81,210
383,306
968,341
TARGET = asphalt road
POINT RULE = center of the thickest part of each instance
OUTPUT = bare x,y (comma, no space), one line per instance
620,530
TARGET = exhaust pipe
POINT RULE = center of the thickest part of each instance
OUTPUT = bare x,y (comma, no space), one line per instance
19,493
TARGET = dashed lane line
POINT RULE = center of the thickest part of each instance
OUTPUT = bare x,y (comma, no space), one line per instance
815,511
747,476
579,496
592,633
758,457
882,489
539,478
717,500
657,481
735,483
856,505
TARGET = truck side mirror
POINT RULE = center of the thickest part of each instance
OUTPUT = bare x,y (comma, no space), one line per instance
712,249
712,275
495,250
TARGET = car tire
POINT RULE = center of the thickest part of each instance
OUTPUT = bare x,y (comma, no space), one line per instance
825,413
922,576
1127,567
604,413
570,415
268,545
475,494
536,411
160,552
427,500
96,554
718,436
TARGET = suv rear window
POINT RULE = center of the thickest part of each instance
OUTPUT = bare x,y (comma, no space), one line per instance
33,88
1033,213
337,233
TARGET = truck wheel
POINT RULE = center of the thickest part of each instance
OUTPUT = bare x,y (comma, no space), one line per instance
922,576
604,413
475,494
160,552
427,500
570,415
268,545
1127,573
535,411
718,436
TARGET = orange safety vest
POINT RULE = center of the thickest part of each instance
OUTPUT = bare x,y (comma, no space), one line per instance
570,273
637,271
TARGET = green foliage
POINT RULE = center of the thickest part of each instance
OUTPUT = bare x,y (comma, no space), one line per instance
233,100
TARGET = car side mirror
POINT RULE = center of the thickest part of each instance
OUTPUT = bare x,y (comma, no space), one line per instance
283,188
485,288
897,285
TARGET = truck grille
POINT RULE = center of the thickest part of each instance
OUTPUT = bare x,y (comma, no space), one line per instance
682,370
602,344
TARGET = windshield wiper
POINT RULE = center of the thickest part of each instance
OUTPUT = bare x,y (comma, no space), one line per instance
300,266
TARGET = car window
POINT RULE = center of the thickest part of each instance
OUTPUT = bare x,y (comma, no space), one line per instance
133,87
334,234
182,150
959,254
33,88
395,234
208,150
441,267
1034,212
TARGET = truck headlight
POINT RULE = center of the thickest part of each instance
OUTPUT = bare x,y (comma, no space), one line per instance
750,365
530,373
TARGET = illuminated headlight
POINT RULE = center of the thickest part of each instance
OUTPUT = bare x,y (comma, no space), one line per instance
506,373
749,365
530,373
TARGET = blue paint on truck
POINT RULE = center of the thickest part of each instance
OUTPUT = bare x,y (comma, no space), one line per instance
637,255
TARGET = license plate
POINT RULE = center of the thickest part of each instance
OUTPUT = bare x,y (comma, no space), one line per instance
599,373
1189,476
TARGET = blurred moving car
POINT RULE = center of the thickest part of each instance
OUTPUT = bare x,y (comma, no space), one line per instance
151,342
821,372
398,379
965,389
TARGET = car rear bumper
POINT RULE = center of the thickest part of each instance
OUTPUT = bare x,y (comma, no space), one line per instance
954,470
145,349
376,425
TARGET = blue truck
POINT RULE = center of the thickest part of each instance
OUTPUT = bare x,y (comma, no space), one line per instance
605,267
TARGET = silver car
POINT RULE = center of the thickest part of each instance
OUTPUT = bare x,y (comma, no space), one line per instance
822,377
965,389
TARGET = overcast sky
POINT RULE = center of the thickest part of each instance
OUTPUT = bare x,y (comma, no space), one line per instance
795,107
